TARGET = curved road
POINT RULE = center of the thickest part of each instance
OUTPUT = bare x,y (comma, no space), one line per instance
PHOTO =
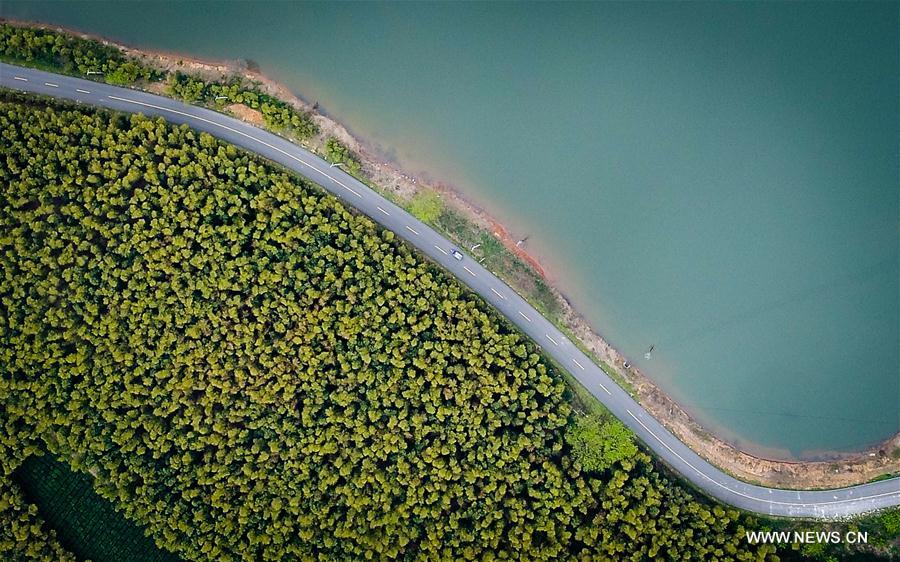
827,504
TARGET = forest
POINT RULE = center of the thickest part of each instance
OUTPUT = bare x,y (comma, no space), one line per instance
252,371
68,54
87,526
277,114
60,52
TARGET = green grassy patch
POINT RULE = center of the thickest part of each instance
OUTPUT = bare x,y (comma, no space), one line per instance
581,398
86,524
426,206
881,477
491,253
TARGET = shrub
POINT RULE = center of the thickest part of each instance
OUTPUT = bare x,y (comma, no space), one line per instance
599,443
426,206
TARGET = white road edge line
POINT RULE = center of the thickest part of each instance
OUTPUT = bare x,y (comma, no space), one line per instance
350,189
79,90
20,78
469,270
741,493
522,314
551,339
241,133
580,366
497,293
409,228
237,132
51,85
382,210
441,250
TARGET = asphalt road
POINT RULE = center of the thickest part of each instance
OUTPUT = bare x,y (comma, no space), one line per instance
829,504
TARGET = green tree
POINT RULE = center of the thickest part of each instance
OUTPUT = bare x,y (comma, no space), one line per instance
599,443
124,74
251,370
337,152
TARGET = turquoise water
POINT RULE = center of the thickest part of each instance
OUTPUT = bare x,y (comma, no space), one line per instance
720,180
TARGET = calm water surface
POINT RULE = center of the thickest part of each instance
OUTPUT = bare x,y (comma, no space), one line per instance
720,180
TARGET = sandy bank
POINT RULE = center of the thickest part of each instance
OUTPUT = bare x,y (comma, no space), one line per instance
839,470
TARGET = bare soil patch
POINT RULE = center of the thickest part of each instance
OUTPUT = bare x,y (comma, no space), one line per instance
841,470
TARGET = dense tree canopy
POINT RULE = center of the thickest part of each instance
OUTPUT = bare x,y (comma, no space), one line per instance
22,532
336,151
276,113
255,372
599,443
70,54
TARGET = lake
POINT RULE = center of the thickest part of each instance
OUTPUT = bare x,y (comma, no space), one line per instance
719,180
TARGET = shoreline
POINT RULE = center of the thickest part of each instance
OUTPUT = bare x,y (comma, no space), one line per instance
835,470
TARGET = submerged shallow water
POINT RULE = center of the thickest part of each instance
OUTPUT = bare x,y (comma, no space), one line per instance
720,180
